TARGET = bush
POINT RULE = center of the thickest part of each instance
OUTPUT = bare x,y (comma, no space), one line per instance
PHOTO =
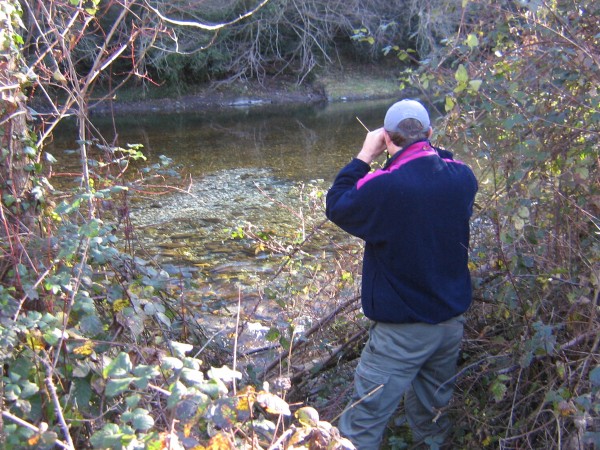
518,83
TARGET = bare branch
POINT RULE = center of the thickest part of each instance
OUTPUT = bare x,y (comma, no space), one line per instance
204,26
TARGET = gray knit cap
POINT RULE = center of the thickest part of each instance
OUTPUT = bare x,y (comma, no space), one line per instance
406,109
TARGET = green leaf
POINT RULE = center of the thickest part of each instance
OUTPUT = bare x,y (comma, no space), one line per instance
133,400
118,386
8,199
224,413
82,393
498,389
169,362
194,376
523,212
54,335
90,229
224,374
190,407
111,436
66,208
461,74
272,335
213,388
146,371
515,119
141,420
178,391
118,367
472,41
474,85
91,325
162,317
518,222
28,389
12,392
180,349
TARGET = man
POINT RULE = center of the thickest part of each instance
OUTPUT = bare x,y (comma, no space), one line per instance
413,215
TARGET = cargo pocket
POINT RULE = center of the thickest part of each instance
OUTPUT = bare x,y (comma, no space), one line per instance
370,388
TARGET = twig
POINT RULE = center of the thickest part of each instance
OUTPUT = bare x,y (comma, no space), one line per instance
360,400
159,389
278,444
364,126
235,339
56,402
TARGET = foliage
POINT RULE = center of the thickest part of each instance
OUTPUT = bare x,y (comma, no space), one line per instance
519,83
96,349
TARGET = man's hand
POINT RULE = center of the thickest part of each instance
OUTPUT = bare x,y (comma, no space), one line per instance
373,146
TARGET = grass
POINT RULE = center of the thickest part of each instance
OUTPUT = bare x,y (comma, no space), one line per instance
358,84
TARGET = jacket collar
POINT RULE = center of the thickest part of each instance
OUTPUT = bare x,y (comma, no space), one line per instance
408,151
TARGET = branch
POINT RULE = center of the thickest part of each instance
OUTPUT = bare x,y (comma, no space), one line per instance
203,26
57,406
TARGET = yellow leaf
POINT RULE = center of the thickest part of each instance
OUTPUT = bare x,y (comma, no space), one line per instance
220,442
307,416
246,398
59,76
34,339
86,349
120,304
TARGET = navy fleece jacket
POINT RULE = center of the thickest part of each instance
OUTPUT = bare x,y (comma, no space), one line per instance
414,218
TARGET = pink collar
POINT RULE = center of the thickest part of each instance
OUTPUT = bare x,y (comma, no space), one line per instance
416,150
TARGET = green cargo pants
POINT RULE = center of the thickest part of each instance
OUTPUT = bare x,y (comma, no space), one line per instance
417,361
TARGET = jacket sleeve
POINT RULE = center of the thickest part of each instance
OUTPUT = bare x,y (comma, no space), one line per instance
352,209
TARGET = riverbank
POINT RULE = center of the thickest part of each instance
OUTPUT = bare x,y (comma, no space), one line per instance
333,86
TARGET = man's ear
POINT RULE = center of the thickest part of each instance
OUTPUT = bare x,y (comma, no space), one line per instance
391,147
387,138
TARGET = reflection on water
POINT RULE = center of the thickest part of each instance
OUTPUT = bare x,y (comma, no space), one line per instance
296,142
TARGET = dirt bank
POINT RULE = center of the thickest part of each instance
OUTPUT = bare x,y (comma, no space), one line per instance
341,86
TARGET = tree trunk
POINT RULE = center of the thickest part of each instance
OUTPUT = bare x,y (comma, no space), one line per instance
18,211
